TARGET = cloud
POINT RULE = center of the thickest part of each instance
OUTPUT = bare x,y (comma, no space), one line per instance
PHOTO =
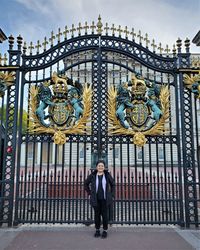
41,6
164,21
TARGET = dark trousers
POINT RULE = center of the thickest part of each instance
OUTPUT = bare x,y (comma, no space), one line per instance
101,210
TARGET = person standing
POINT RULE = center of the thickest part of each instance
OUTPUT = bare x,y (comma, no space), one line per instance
100,187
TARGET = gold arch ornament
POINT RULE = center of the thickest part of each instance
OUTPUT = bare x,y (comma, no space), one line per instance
139,139
59,133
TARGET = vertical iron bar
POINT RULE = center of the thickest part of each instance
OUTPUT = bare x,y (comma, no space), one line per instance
121,182
48,187
143,203
84,177
35,210
28,195
18,212
162,197
51,194
129,184
73,195
62,183
133,197
114,176
158,179
40,179
25,184
136,182
55,181
43,194
58,196
70,183
151,183
77,179
16,219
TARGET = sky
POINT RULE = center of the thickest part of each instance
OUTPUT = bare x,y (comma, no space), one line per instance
163,20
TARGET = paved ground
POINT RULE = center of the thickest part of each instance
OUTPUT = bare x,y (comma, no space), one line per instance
62,237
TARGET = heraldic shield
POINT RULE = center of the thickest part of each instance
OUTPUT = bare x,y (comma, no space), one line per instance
61,113
138,115
60,107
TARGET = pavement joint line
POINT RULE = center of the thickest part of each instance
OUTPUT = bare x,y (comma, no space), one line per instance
188,236
80,227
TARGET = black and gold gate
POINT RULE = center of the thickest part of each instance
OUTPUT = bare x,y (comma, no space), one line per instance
99,92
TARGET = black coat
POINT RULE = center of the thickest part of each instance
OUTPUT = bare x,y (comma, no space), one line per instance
90,188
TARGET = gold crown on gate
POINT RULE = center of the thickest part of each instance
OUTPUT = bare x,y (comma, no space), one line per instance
138,85
60,84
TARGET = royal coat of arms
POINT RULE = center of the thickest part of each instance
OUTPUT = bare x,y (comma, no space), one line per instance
138,107
60,107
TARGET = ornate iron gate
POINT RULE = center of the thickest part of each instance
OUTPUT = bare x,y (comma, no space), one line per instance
157,183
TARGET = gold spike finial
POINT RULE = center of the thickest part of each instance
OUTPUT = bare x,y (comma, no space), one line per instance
59,35
31,47
65,32
167,50
147,40
72,30
86,27
38,46
52,38
140,37
92,27
106,28
133,34
120,30
160,48
99,25
154,45
45,43
24,47
174,49
113,29
126,32
79,28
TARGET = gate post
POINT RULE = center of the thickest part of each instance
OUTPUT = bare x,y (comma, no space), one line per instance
99,114
10,133
188,159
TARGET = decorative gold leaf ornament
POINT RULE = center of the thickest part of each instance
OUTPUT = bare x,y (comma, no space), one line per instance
139,139
59,137
193,83
6,79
